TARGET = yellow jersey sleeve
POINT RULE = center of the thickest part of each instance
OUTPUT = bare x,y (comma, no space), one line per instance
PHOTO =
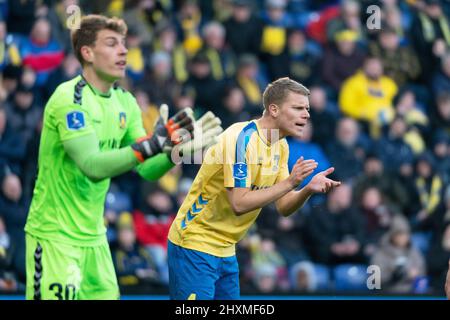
237,161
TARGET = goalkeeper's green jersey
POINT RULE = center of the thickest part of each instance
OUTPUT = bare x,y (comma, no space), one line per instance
67,206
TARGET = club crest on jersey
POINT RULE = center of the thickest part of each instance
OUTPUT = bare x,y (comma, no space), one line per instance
122,120
240,170
75,120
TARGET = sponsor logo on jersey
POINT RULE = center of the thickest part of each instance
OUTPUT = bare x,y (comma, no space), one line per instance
75,120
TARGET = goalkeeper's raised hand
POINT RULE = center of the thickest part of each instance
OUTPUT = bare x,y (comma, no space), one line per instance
206,130
166,134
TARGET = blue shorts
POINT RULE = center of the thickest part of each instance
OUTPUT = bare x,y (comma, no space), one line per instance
200,276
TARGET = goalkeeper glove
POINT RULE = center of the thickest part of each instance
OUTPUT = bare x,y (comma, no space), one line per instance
166,134
206,130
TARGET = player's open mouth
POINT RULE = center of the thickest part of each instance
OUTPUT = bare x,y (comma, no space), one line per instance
301,125
121,64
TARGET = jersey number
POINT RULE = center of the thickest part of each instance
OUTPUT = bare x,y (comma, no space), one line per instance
69,291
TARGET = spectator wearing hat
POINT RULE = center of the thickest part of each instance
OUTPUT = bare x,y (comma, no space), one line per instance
342,59
401,264
243,29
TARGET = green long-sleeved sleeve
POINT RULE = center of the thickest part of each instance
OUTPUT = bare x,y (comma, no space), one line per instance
99,165
155,167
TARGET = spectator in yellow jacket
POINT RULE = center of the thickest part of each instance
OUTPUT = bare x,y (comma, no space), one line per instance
368,96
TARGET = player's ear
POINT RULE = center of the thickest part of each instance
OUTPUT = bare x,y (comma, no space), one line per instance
274,110
87,53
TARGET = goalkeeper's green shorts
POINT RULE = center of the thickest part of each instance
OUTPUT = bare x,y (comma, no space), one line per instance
57,271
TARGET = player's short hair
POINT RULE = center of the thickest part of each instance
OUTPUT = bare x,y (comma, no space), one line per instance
90,25
277,91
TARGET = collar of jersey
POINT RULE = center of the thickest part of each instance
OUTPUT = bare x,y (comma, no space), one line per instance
97,91
261,135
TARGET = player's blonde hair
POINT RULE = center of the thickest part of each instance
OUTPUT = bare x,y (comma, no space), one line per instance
90,25
277,91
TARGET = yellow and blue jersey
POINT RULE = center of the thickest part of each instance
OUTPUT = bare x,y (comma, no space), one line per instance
242,158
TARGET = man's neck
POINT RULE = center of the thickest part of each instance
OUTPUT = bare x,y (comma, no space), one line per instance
94,80
268,124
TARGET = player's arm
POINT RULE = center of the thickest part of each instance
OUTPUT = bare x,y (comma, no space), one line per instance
99,165
244,200
294,200
96,164
154,168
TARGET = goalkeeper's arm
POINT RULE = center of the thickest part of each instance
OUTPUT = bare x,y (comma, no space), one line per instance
98,165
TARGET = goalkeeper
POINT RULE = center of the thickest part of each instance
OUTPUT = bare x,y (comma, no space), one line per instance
92,131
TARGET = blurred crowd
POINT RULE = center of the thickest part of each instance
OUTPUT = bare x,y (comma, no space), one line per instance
380,114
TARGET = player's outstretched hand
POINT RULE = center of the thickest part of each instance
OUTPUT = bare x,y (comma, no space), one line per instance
302,168
166,134
320,182
206,130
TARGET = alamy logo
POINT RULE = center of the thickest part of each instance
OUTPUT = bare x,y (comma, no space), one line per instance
73,17
374,278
